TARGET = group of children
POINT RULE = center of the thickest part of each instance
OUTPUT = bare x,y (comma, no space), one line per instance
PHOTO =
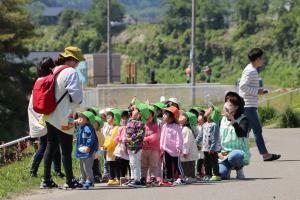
148,144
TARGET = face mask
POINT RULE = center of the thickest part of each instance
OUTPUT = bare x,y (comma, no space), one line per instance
229,108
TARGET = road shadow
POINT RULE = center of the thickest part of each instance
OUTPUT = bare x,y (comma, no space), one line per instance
262,178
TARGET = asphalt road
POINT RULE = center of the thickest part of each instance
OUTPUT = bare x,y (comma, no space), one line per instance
265,180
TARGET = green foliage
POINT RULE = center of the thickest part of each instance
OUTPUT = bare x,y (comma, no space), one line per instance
289,118
267,114
15,33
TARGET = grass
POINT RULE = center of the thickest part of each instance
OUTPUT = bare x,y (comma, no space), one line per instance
14,178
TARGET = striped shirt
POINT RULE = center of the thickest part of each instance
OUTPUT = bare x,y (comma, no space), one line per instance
249,86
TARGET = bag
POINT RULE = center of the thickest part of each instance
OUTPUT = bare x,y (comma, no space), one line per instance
43,93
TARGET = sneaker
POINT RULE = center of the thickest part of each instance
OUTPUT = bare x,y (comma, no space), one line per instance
206,178
105,179
116,181
165,184
59,174
48,184
240,174
97,179
111,182
190,180
136,183
88,184
122,181
215,178
73,184
179,181
143,181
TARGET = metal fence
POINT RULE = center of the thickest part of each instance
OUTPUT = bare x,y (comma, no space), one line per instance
120,96
280,99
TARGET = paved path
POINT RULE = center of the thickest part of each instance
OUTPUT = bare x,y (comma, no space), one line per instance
266,180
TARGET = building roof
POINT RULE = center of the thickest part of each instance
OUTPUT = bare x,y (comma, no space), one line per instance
52,11
36,57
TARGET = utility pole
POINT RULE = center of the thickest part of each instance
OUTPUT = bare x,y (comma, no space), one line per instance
193,52
108,65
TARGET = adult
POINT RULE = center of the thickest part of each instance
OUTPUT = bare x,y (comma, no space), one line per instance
60,123
187,72
207,70
234,126
249,89
37,127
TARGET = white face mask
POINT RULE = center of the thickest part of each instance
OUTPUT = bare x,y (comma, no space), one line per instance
229,108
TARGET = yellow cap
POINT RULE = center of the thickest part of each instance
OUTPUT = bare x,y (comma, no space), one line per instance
73,52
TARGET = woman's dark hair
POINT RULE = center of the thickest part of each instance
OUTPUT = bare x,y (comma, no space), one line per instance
255,53
92,111
45,67
125,113
60,60
236,100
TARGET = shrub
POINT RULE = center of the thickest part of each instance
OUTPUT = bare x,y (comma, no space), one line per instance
289,118
267,114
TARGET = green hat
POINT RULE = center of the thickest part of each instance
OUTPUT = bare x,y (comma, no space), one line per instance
151,108
100,121
216,114
96,109
192,118
160,105
117,116
144,110
73,52
90,116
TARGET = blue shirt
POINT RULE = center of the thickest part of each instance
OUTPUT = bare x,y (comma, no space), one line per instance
86,136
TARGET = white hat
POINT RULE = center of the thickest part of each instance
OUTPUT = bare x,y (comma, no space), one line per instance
174,100
162,99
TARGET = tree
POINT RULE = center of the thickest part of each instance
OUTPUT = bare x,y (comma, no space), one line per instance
15,33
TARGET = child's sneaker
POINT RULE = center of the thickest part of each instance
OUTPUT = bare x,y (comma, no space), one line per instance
136,183
206,178
116,182
111,182
143,181
73,184
240,174
88,184
48,184
179,181
105,179
190,180
215,178
97,179
122,181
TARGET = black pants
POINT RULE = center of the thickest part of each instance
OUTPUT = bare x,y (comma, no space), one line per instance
171,161
211,164
56,138
38,156
200,163
123,166
114,171
96,168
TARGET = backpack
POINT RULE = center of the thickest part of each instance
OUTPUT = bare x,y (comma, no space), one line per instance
43,94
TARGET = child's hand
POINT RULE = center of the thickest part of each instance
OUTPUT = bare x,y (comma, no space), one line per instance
221,156
128,140
84,149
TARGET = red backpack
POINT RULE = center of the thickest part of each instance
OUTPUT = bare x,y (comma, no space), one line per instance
43,94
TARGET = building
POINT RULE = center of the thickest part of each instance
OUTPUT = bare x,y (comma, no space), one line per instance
51,15
97,70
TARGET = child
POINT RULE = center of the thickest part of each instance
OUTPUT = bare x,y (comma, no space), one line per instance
211,144
171,143
159,106
96,165
151,150
190,151
121,152
199,138
86,146
134,141
110,131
